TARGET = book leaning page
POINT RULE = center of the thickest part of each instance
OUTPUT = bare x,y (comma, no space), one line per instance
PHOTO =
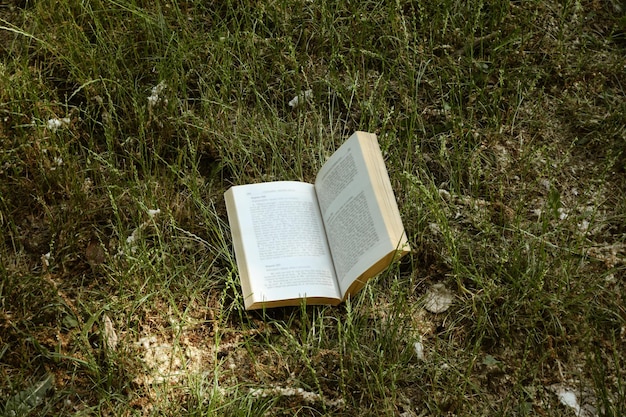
359,211
280,245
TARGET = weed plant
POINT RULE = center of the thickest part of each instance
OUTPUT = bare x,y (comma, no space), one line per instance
122,122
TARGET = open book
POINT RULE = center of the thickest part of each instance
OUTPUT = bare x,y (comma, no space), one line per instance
320,242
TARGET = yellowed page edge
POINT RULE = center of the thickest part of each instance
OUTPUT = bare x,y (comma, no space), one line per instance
240,258
383,191
294,302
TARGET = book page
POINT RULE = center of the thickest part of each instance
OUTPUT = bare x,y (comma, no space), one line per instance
356,223
280,245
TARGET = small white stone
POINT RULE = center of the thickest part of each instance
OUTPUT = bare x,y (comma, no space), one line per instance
438,299
296,101
46,259
155,95
55,123
583,226
567,398
419,350
110,336
445,194
131,239
434,228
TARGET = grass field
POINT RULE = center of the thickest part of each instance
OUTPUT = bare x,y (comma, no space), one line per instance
122,122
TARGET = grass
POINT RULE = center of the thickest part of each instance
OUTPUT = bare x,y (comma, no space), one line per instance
122,123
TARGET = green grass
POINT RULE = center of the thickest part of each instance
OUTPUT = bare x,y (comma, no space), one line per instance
503,126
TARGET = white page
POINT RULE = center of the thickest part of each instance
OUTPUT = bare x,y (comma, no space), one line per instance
283,238
353,219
